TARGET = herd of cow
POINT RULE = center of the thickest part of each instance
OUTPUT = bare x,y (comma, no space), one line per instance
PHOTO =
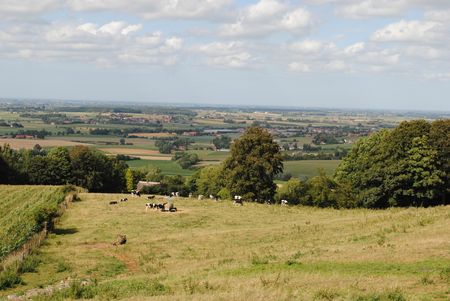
156,206
238,201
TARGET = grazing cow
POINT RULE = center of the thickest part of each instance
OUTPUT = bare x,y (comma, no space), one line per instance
200,197
238,200
161,207
284,202
238,203
124,200
211,197
135,193
113,203
150,197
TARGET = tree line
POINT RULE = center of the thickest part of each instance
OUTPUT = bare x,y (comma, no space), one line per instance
80,166
405,166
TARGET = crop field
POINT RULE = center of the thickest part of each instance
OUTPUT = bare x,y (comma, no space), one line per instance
310,168
30,143
216,251
22,210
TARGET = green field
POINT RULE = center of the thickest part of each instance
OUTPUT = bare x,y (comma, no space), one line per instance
310,168
23,209
216,251
167,167
301,168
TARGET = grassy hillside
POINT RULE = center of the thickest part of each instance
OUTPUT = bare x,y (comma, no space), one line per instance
216,251
23,209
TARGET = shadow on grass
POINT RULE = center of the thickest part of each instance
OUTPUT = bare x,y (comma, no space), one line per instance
65,231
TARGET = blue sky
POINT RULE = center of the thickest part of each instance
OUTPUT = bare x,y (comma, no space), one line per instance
381,54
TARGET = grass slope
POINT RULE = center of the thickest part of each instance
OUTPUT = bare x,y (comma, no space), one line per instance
215,251
23,209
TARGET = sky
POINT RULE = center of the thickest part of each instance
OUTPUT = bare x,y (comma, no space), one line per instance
369,54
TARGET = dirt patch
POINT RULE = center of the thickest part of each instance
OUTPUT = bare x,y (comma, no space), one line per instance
30,143
114,251
129,262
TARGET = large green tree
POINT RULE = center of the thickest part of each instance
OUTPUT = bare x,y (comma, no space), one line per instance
254,161
401,167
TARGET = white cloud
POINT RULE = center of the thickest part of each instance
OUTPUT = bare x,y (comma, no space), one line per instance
355,48
363,9
266,17
373,8
407,31
104,45
230,55
157,9
307,46
12,9
299,67
336,66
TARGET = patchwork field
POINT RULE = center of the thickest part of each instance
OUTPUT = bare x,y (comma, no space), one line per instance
215,251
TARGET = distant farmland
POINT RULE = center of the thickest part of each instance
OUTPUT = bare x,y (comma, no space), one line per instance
30,143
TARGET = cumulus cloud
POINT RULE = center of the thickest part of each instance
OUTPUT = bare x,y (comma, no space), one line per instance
269,16
106,44
230,54
12,9
407,31
319,56
156,9
363,9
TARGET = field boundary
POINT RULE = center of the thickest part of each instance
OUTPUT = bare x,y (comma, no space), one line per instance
37,239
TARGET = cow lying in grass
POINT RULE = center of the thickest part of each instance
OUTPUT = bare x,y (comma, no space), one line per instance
161,207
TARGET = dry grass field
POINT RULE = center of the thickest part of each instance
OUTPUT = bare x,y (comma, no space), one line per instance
144,154
30,143
215,251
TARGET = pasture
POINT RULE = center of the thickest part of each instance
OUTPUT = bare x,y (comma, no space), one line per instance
167,167
215,251
310,168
